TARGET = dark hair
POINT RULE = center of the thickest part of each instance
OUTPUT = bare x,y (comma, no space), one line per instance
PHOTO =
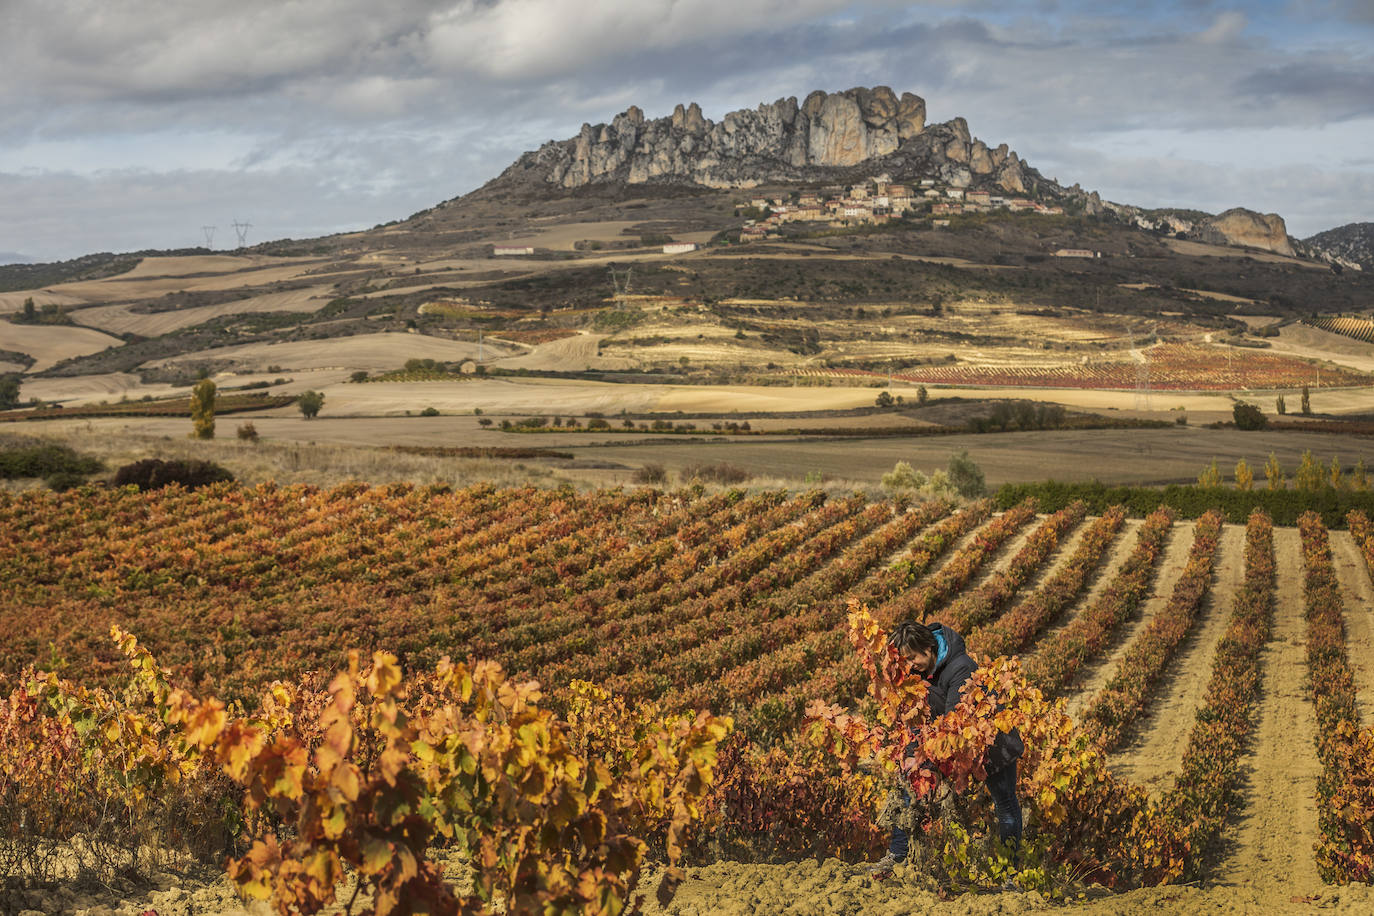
911,637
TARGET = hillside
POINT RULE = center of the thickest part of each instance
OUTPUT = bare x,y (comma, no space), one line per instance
1353,242
841,232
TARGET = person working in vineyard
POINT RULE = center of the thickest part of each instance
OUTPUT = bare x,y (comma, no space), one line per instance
937,654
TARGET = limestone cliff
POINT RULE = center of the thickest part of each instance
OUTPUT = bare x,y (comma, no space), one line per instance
782,141
1248,229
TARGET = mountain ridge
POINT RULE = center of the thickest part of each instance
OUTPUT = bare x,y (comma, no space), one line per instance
825,137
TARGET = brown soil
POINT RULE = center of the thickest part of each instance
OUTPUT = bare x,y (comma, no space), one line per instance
1153,759
1096,676
1358,598
1277,827
1106,571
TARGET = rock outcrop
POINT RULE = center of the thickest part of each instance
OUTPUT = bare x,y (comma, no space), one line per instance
1248,229
781,141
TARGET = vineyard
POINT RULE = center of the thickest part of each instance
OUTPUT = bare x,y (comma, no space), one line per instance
333,690
1167,367
1358,328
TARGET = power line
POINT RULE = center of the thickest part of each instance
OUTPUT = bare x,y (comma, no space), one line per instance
241,229
209,236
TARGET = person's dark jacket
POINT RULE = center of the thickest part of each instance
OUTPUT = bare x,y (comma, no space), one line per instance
953,667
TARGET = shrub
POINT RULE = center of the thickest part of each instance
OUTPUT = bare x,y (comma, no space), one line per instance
651,473
247,432
598,423
722,472
310,403
903,477
46,461
1248,416
484,421
63,481
965,475
152,473
359,376
430,412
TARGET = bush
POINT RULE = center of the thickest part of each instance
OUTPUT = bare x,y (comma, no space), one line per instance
247,432
153,473
310,403
722,472
966,476
430,412
903,477
46,461
1248,416
63,481
651,473
359,376
598,423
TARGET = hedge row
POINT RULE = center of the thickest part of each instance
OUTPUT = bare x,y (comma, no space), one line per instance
1285,507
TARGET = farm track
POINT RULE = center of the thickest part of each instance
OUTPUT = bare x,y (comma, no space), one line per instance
1273,837
1096,675
1153,759
1357,593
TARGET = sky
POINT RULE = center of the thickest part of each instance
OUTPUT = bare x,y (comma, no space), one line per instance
131,124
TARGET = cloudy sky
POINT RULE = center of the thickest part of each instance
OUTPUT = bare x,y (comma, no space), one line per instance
128,124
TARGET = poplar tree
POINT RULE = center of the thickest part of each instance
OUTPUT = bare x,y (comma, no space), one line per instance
203,409
1245,478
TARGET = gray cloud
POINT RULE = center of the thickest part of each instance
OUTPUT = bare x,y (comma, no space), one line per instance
394,107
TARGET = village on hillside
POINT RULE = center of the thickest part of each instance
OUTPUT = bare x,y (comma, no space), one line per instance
876,201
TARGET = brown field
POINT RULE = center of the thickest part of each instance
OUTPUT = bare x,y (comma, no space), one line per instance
365,351
50,344
122,319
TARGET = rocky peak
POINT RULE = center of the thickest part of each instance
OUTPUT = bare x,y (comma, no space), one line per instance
779,141
1248,229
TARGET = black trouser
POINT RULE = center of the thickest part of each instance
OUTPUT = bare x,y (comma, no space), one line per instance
1002,787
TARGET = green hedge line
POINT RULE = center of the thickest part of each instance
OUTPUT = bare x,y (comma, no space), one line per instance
1283,506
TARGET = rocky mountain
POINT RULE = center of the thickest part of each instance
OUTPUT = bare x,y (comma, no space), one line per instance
1247,229
1352,243
826,136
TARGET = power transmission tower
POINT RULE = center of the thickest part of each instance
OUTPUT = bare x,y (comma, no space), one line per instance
241,229
621,285
209,236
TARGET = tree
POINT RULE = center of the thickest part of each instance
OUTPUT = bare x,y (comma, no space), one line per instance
1335,476
1306,402
9,391
922,395
903,477
1310,474
1245,478
1210,476
966,476
1248,416
1273,472
1280,405
310,403
884,399
203,409
30,313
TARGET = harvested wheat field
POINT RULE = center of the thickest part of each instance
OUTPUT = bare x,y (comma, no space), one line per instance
373,352
50,344
125,319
